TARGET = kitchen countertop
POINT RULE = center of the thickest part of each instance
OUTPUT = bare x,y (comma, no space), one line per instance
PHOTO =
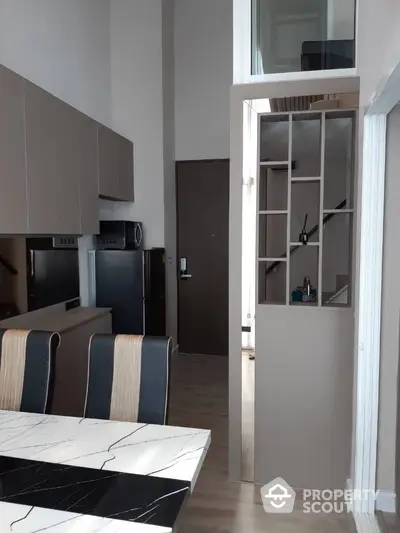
57,320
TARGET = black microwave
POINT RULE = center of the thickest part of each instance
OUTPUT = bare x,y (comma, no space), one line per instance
120,235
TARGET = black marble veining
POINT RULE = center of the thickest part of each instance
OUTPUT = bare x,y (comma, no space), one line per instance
130,497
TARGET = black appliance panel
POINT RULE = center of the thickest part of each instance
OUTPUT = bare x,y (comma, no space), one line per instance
62,242
119,285
154,273
155,292
155,317
53,277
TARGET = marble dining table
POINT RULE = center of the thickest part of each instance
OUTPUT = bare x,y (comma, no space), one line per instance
69,475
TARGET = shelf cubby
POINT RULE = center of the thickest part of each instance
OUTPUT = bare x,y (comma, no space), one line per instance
306,166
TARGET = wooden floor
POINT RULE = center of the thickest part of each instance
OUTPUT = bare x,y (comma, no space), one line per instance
199,398
388,522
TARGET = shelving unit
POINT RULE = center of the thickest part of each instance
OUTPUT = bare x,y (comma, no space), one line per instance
273,212
306,180
337,211
272,259
272,164
309,181
298,244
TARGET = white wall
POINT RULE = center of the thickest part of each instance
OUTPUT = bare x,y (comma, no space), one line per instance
169,167
63,46
390,313
378,46
137,109
378,52
203,76
303,428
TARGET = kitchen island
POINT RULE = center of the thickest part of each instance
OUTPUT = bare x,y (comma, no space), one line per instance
75,327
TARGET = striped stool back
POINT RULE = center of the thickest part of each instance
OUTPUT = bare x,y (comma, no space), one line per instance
128,378
27,362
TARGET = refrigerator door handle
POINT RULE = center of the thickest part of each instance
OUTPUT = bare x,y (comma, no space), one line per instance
32,263
92,277
144,290
146,274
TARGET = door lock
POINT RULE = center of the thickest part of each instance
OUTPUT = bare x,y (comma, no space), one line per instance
183,268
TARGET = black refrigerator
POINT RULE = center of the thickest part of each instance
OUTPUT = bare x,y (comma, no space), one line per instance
52,274
132,283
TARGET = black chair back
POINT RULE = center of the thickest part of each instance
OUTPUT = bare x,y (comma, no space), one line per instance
128,378
27,370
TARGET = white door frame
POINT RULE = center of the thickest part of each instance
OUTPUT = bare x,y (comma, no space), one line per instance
368,305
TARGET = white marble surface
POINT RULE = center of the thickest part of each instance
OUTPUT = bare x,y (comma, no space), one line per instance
22,519
162,451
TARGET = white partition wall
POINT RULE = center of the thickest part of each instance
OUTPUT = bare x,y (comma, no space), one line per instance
304,353
303,405
304,363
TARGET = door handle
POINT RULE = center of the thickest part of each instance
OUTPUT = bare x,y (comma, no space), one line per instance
32,265
186,276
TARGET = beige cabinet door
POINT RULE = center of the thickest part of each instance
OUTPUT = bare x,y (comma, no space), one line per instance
115,165
125,174
52,185
108,147
13,203
84,161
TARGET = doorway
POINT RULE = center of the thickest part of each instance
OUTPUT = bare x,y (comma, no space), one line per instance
203,256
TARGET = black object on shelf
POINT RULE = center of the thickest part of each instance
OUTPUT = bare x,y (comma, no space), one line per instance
327,55
313,230
303,237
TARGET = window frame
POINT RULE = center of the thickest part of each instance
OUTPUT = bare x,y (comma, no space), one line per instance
244,15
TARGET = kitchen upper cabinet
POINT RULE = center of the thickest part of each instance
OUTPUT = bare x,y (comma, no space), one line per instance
13,202
86,171
125,175
55,162
115,165
51,148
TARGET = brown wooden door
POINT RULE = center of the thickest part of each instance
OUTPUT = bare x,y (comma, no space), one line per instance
203,240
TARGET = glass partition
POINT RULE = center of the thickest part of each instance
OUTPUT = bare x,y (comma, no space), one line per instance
301,35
